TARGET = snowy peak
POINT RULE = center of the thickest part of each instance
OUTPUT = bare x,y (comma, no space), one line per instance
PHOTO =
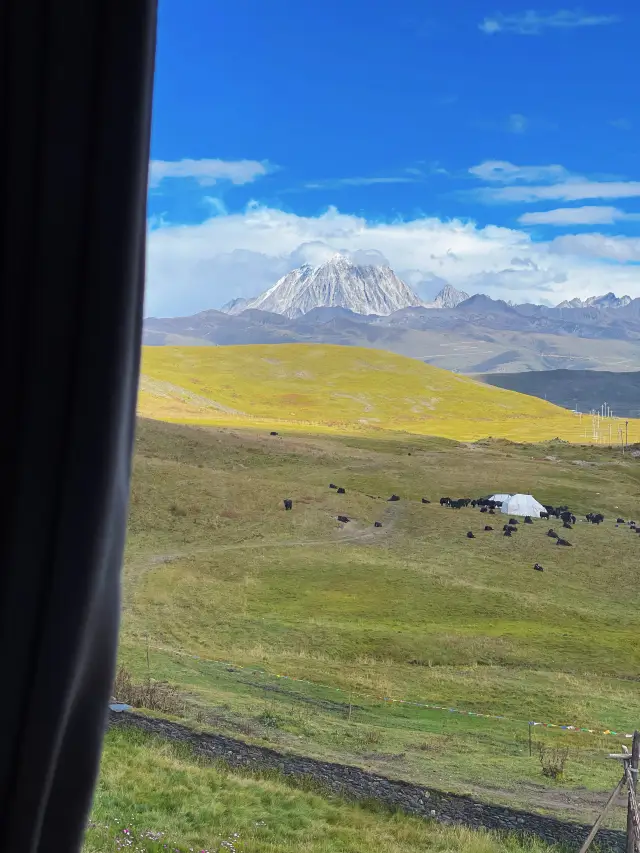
235,306
609,300
338,283
449,297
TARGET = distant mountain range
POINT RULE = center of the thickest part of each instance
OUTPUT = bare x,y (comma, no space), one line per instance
344,303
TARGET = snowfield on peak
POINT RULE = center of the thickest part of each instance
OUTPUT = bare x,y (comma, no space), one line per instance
337,283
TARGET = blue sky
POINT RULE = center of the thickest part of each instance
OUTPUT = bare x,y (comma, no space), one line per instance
491,146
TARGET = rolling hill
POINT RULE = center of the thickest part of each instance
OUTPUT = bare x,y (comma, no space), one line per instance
343,389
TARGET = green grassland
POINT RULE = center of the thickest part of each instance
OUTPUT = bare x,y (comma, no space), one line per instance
341,389
154,795
217,571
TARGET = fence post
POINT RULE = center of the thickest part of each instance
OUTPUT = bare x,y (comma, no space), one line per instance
632,839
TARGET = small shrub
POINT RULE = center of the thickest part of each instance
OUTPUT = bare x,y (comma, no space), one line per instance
176,510
553,761
269,719
152,695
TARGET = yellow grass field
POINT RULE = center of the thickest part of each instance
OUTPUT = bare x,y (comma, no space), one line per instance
344,389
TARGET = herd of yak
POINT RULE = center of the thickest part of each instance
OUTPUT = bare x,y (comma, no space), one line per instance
489,506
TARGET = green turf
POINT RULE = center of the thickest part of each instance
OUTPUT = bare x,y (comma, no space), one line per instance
216,569
155,796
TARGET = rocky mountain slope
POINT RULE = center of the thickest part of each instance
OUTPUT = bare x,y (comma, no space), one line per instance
336,283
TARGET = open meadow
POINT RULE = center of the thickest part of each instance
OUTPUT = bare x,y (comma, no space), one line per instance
225,593
323,388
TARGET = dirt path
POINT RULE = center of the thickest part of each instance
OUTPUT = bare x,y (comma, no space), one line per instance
344,535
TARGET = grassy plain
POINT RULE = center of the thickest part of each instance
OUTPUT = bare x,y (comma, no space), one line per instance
313,388
155,796
217,571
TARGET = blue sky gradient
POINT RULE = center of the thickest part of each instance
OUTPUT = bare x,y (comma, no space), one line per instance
495,147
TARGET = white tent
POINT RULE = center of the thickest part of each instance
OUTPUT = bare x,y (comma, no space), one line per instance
522,505
499,498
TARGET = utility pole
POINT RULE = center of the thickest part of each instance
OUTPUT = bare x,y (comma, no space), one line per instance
626,431
632,835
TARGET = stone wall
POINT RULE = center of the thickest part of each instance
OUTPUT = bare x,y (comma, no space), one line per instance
354,783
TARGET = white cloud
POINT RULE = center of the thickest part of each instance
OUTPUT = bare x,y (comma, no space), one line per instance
191,268
587,215
573,190
336,183
517,123
621,249
503,172
556,182
208,172
531,23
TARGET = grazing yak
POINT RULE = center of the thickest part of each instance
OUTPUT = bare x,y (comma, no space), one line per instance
425,501
486,527
332,486
619,520
507,532
483,509
445,501
513,521
560,541
341,491
544,515
393,498
343,519
528,519
552,533
470,535
273,433
377,524
595,517
288,503
538,567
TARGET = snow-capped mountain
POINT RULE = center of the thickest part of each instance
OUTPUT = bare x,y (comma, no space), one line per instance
449,297
235,306
337,283
609,300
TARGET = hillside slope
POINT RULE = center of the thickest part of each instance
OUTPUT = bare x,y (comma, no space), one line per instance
344,388
584,389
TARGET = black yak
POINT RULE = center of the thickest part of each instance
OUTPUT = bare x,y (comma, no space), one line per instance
343,519
470,535
332,486
288,503
528,519
393,498
567,526
273,433
341,491
445,501
560,541
425,501
377,524
507,532
552,533
538,567
486,527
513,521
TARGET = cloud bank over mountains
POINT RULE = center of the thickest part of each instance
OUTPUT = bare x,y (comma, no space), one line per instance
241,254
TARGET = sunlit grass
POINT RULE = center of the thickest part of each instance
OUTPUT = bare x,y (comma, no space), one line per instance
313,387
